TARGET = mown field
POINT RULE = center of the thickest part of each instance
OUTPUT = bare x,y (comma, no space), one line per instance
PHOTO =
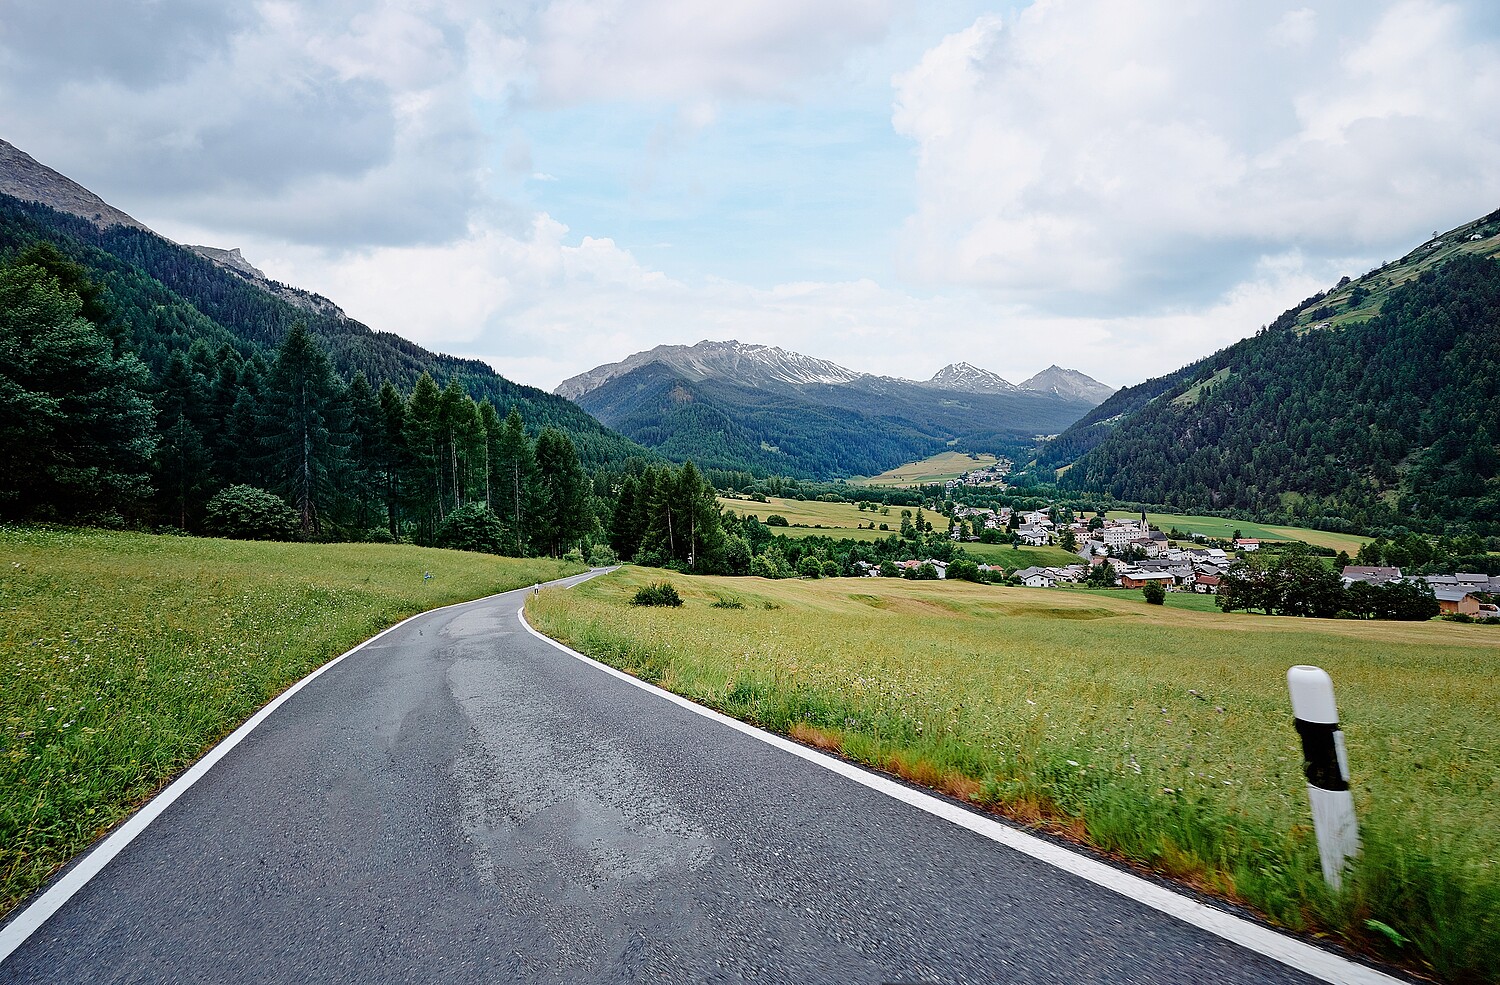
1161,735
1219,527
939,468
125,657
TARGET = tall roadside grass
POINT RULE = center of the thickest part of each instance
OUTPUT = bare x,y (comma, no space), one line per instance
1161,736
124,657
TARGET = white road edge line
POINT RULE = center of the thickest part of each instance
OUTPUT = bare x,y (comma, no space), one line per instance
29,920
1246,933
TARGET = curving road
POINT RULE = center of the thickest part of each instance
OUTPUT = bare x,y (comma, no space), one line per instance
460,801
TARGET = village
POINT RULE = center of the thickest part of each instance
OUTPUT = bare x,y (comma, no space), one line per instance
1139,554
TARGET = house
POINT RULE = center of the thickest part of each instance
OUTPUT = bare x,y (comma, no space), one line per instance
1151,547
1036,577
1247,544
1456,600
1035,536
1139,579
1206,585
1370,575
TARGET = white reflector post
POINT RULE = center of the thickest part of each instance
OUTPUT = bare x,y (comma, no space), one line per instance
1326,764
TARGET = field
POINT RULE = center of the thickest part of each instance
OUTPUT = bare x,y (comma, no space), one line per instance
1219,527
1160,735
842,519
125,657
939,468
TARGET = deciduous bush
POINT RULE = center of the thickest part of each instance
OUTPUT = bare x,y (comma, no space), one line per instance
249,513
776,520
657,593
1154,592
472,527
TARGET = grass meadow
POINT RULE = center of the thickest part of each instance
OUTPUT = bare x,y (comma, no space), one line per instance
1219,527
125,657
939,468
1160,735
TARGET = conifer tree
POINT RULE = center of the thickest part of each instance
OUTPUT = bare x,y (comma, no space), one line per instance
424,456
301,432
515,478
563,515
76,430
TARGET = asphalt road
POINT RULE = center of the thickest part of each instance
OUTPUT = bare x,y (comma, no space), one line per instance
461,802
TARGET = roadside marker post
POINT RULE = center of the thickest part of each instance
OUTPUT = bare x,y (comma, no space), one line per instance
1326,764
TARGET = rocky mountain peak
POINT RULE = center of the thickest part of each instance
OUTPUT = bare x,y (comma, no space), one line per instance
970,379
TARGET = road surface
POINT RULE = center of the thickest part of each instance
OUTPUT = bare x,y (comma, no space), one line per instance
460,801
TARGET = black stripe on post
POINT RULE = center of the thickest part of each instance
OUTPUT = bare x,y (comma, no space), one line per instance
1320,758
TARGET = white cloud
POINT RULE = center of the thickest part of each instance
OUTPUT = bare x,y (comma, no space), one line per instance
684,50
1096,155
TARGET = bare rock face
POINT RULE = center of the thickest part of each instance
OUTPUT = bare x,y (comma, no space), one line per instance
22,177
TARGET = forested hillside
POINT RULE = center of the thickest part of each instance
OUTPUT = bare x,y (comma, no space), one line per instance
164,298
818,430
1381,421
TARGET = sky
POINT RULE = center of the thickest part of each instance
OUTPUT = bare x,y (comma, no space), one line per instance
1115,186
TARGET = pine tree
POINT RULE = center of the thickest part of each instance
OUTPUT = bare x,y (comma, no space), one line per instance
515,477
301,433
564,515
366,450
394,454
424,456
76,429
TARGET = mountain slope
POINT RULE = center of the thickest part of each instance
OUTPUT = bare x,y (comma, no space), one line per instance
1374,405
167,297
817,429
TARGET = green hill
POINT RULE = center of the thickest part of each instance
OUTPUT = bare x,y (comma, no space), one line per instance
1373,405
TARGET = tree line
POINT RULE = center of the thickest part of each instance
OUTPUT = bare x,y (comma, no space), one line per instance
87,432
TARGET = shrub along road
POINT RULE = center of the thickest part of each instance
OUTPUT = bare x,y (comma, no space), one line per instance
460,801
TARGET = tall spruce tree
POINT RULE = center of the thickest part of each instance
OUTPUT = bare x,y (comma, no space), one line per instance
301,433
424,457
515,481
76,428
563,515
393,454
366,451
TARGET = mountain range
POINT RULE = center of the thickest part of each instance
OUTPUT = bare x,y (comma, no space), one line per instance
168,297
740,406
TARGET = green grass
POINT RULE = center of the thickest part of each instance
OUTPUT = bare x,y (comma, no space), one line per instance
125,657
939,468
1021,556
1223,529
1160,734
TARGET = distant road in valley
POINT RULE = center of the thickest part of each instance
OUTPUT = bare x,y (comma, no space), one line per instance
462,802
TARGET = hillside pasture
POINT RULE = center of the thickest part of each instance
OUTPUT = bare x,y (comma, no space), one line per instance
1222,529
1160,734
938,468
125,657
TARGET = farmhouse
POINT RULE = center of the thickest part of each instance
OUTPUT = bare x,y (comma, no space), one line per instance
1139,579
1457,600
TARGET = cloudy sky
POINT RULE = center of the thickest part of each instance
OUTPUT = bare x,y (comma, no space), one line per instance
1113,185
